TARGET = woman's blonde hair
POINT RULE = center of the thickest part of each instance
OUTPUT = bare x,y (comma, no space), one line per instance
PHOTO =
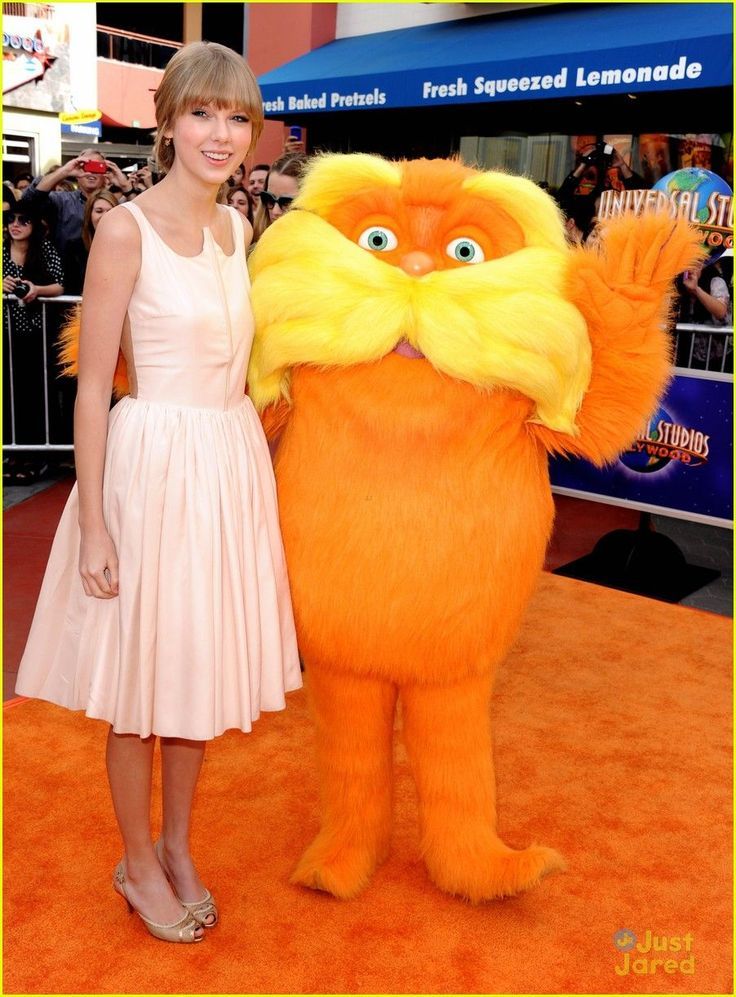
204,73
293,164
88,231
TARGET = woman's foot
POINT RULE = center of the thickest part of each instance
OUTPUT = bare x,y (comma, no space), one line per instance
177,865
148,891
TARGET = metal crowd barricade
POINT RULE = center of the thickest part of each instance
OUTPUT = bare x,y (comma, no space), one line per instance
47,445
712,341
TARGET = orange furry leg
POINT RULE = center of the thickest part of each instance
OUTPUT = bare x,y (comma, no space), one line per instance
448,737
354,727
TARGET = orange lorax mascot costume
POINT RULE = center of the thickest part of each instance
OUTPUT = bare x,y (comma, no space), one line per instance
425,338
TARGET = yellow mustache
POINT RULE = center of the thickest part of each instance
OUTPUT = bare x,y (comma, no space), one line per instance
320,299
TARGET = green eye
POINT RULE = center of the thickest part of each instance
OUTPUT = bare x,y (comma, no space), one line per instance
465,250
379,239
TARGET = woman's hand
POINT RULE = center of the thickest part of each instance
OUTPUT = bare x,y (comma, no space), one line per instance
71,170
33,291
9,284
690,280
98,564
143,177
118,177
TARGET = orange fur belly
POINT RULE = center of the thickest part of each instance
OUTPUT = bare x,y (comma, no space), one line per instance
415,512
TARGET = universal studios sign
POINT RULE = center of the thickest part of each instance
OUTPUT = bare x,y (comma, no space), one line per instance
700,196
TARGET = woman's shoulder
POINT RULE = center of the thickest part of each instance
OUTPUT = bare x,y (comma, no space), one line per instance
118,227
115,256
718,286
239,222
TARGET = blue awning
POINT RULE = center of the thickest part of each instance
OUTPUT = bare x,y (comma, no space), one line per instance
569,51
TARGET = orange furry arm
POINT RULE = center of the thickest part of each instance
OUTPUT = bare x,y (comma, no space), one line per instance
623,289
69,355
274,419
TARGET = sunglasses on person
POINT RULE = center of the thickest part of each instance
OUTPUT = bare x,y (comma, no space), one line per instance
269,201
12,216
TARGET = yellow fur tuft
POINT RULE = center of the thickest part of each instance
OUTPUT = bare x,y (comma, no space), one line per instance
333,177
535,211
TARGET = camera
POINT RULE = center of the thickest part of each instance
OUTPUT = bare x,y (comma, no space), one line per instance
600,155
21,289
94,166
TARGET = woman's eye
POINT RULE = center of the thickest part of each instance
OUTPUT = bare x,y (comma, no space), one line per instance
465,250
379,239
241,118
199,111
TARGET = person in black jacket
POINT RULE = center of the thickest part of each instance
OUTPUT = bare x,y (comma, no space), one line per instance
599,166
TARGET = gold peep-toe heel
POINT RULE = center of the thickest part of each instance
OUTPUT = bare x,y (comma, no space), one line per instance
181,931
199,909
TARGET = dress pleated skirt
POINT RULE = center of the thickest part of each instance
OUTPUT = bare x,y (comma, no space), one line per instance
201,637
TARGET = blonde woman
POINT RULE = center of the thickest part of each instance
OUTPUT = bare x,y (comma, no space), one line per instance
176,621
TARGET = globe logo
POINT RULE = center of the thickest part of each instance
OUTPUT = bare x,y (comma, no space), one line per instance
705,184
624,940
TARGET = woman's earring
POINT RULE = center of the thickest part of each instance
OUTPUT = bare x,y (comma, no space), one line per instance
167,141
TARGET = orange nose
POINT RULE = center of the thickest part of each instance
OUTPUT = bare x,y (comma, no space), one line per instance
417,263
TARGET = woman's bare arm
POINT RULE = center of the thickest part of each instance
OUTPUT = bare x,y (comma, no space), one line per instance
112,271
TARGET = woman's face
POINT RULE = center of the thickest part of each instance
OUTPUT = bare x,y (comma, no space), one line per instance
281,186
239,200
99,208
20,226
210,142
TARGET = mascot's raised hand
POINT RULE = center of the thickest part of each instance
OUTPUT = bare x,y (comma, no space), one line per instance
425,338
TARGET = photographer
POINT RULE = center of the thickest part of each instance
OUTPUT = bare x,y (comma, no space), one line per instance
599,167
91,171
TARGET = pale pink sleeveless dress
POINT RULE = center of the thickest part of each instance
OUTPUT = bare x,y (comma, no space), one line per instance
201,637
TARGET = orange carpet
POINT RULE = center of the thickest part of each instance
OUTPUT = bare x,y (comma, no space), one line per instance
28,529
613,746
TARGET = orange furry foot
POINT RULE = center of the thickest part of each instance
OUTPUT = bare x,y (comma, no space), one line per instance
503,873
341,868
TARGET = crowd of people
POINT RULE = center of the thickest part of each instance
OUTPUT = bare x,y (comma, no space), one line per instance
703,294
67,201
49,223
